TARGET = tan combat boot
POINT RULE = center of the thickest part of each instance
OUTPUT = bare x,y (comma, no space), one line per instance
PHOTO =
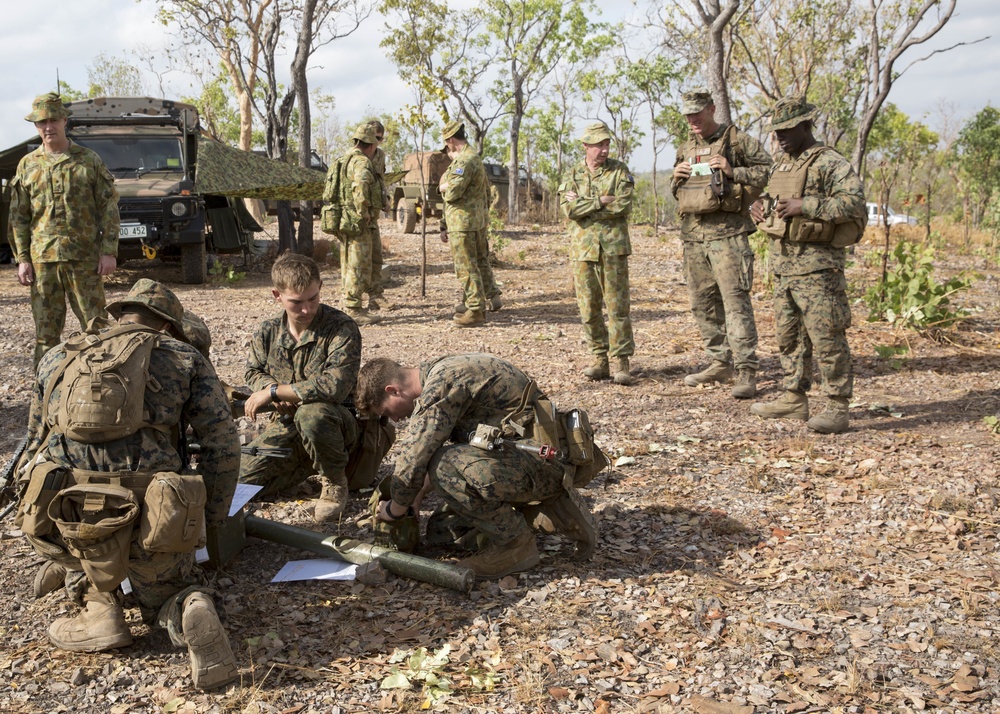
49,578
99,626
362,316
834,419
790,405
569,515
498,560
623,375
715,372
470,318
212,660
332,499
599,369
746,384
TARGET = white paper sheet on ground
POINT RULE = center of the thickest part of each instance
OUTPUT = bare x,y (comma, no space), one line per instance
241,497
320,569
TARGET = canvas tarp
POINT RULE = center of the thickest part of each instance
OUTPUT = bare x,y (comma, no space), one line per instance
225,171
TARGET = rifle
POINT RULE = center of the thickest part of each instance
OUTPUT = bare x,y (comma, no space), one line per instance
8,489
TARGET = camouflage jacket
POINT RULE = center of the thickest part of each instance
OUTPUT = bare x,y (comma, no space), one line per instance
592,227
458,393
378,164
833,192
365,189
189,391
751,164
63,207
465,189
321,367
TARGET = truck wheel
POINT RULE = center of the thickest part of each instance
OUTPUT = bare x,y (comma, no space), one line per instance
194,267
406,215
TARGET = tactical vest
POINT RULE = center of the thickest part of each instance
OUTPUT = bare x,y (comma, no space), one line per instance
788,180
712,191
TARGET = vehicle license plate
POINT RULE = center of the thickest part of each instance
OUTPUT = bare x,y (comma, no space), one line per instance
132,230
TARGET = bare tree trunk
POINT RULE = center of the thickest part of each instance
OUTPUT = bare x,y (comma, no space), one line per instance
300,85
715,17
515,135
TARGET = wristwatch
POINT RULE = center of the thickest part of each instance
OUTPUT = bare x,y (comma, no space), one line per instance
274,392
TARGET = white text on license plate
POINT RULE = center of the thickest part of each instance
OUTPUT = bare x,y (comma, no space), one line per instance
132,230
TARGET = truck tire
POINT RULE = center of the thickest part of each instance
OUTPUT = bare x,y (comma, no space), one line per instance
406,215
194,265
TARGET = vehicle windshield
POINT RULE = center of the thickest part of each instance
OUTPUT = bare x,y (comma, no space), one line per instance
136,154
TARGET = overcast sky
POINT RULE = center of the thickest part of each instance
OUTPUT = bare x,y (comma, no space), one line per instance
37,38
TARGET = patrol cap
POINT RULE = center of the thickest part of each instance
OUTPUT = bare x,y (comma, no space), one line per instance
157,298
789,112
365,133
47,106
595,133
694,100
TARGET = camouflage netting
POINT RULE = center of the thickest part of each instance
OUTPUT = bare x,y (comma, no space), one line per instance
225,171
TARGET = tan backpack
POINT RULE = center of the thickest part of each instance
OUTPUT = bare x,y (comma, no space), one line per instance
104,380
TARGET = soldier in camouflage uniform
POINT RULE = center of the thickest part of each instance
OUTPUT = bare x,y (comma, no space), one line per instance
465,190
718,260
375,290
597,200
305,362
811,309
445,400
64,221
169,587
357,253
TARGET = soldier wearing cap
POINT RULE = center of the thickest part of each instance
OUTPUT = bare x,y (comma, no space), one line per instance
718,173
597,200
815,207
357,253
169,588
465,189
64,222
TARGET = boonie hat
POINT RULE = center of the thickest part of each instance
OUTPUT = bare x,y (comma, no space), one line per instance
47,106
595,133
365,133
694,100
451,128
789,112
155,297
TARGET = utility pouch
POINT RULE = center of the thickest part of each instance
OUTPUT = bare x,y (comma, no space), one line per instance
579,437
329,221
96,523
45,481
173,515
377,436
696,196
808,230
585,473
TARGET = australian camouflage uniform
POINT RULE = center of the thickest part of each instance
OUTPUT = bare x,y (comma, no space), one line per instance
356,252
599,248
182,391
811,309
375,289
465,189
718,260
322,369
63,217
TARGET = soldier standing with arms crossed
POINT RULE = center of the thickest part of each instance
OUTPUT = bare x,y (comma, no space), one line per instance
597,200
718,260
465,189
818,208
64,221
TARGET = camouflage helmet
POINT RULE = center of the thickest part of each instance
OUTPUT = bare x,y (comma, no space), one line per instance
155,297
789,112
596,133
47,106
694,100
365,133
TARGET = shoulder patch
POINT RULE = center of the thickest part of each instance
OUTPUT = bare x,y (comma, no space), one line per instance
628,177
459,170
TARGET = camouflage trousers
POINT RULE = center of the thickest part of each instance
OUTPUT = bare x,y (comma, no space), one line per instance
374,287
320,435
719,275
811,316
601,283
484,487
55,283
471,253
356,266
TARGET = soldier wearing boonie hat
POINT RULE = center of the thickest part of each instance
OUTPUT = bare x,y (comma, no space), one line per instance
64,225
597,200
375,290
718,173
816,209
465,189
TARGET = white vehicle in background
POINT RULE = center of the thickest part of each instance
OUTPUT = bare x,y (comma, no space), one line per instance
894,219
